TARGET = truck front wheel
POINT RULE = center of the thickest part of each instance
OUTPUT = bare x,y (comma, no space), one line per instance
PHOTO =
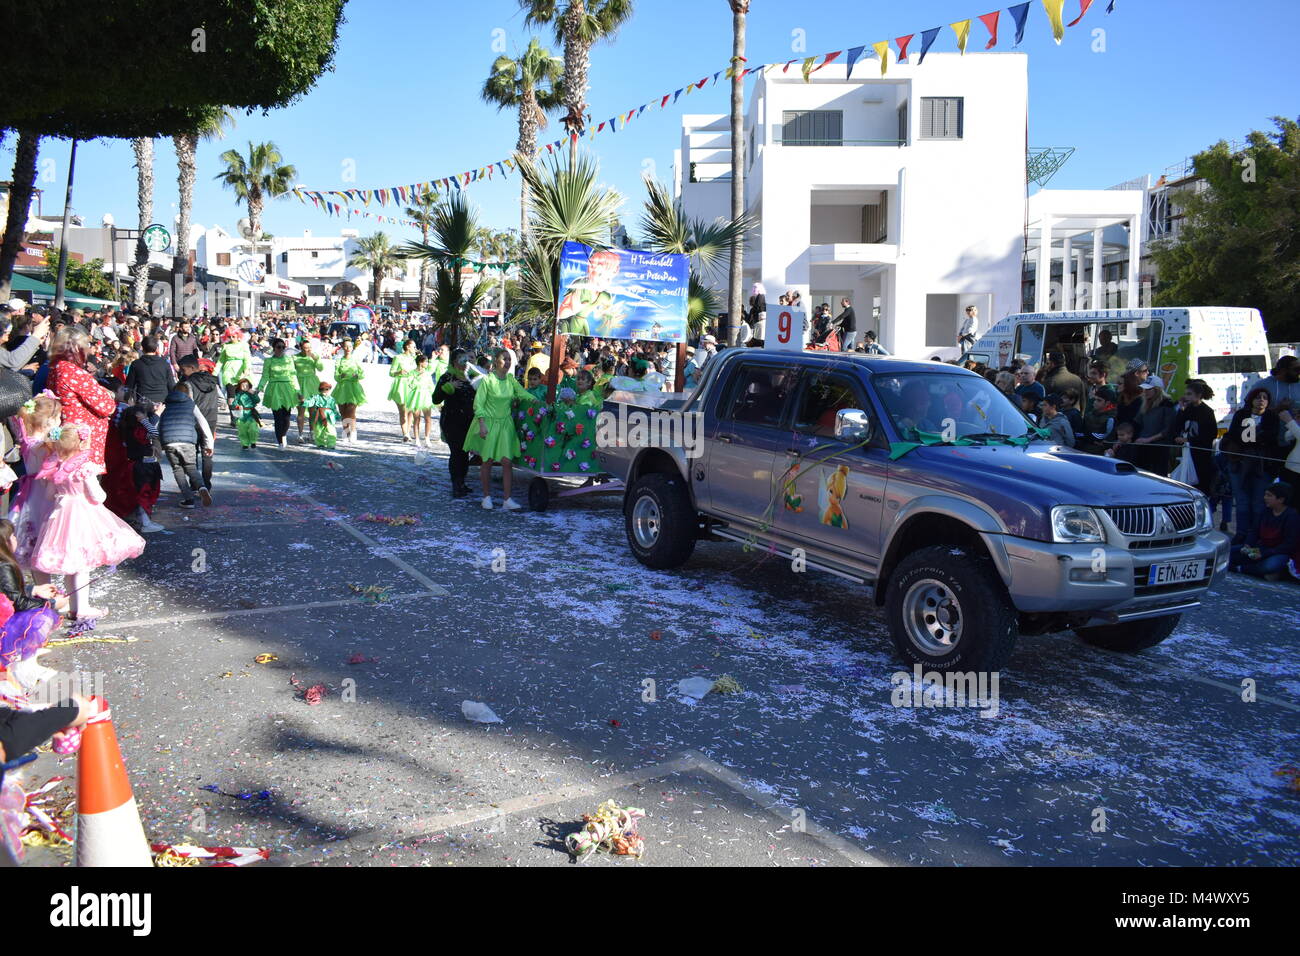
1131,636
949,611
660,522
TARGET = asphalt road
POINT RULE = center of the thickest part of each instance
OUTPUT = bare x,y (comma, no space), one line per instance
1092,758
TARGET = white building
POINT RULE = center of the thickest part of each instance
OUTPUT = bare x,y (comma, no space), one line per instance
904,193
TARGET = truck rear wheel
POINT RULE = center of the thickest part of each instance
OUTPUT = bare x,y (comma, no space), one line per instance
660,522
1132,635
948,610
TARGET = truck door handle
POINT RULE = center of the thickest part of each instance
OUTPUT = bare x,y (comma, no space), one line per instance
793,451
725,438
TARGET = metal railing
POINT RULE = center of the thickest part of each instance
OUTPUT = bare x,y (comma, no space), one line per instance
839,142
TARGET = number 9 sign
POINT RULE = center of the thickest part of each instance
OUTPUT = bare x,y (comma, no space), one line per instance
789,330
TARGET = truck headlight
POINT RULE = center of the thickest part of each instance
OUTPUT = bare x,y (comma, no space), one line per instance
1204,514
1075,524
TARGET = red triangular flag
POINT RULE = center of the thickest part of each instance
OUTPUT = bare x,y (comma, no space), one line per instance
990,20
1083,8
902,46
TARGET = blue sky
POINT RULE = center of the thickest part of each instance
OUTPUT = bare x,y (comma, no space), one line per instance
403,100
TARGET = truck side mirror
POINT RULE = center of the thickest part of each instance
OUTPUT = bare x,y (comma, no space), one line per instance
852,424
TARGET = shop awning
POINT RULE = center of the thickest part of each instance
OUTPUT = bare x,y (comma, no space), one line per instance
44,292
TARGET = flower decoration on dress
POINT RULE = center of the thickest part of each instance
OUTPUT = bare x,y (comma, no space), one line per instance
550,442
584,466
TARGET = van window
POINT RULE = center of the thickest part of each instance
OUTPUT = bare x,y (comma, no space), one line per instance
1029,341
1231,364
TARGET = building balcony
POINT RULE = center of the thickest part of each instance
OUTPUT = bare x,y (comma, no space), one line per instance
852,253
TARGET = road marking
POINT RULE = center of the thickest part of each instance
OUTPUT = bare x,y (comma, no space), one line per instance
688,762
276,609
1234,689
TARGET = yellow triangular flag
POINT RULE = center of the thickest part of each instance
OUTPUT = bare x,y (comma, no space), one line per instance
1054,8
882,51
962,29
807,68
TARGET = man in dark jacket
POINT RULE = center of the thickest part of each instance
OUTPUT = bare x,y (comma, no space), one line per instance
150,378
183,430
205,390
183,343
847,322
455,395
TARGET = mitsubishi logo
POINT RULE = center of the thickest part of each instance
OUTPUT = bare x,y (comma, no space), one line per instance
1163,524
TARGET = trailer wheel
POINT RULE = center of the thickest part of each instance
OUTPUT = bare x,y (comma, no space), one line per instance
660,522
1132,636
539,494
949,611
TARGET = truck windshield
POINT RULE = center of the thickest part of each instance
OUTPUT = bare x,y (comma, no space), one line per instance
952,405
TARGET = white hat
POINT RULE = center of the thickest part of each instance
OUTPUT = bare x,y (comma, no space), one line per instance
709,338
17,305
1153,381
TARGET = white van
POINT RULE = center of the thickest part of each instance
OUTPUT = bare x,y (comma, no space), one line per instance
1226,347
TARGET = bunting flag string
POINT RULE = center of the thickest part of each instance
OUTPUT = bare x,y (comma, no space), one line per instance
344,202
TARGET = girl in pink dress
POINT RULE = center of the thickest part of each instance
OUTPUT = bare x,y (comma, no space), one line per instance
80,533
33,500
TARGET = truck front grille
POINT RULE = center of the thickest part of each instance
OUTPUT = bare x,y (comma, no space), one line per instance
1145,521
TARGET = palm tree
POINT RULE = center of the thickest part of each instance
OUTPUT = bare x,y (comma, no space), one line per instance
187,148
377,255
578,24
566,204
143,149
421,212
20,200
532,84
710,245
262,175
498,246
455,232
739,11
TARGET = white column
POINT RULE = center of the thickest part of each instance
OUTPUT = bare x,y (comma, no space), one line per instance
1133,299
1098,269
1067,281
1043,270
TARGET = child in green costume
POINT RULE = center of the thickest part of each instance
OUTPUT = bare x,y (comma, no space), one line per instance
324,416
401,370
244,407
492,435
305,367
419,402
279,388
349,394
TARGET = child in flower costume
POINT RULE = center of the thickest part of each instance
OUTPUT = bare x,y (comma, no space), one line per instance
324,416
244,407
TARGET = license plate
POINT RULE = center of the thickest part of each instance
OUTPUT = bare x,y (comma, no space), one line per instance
1176,572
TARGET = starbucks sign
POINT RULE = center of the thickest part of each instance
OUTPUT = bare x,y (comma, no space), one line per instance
156,238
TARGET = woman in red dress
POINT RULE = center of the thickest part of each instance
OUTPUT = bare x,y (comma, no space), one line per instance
84,400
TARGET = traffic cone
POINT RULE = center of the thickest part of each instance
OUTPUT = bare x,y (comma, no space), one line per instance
109,832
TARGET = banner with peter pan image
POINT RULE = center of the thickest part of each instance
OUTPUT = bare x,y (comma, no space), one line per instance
623,294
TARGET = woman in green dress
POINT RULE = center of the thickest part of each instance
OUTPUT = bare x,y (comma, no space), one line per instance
492,435
401,370
279,388
420,402
305,367
349,393
234,361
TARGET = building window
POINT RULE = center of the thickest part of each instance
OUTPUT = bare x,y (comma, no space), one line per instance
813,128
315,255
284,257
942,117
902,124
315,290
223,258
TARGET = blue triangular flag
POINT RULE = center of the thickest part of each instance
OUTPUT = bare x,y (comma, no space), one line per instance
854,53
1111,7
1019,13
927,39
677,94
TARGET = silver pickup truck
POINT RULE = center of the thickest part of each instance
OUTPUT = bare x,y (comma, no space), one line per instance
924,484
